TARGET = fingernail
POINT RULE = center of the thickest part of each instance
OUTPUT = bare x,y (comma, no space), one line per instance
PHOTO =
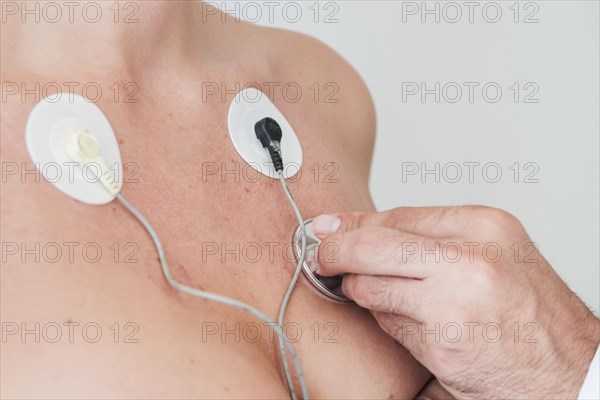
326,224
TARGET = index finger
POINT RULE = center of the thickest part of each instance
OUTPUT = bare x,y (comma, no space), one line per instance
374,250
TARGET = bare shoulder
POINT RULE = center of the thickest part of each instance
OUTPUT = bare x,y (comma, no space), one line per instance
313,60
326,80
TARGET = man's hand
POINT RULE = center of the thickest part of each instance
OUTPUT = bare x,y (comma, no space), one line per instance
465,290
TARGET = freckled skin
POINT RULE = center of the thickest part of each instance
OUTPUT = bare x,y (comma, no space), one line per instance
168,137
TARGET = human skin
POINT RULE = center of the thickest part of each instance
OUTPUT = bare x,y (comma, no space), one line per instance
420,270
169,135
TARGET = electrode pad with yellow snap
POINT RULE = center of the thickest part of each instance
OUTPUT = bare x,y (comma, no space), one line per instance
74,147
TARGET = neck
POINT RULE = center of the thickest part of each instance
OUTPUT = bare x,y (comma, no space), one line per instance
100,38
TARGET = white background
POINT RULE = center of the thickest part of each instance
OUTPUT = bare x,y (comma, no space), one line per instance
556,53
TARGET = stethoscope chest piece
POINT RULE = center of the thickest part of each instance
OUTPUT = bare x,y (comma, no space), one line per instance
330,287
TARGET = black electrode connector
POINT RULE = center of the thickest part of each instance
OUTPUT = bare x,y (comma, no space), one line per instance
269,133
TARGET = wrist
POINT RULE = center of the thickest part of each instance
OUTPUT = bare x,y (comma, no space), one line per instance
568,352
583,351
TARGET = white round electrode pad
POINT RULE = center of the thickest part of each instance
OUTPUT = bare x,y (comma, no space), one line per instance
247,108
48,126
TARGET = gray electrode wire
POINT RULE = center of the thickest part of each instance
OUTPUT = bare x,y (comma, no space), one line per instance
269,133
216,297
288,294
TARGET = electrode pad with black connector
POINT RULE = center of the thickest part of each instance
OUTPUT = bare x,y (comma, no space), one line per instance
269,133
248,107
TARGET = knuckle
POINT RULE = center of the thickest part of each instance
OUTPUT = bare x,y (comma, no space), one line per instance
502,217
495,215
390,324
381,297
354,221
493,221
372,293
394,216
399,215
485,276
394,330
